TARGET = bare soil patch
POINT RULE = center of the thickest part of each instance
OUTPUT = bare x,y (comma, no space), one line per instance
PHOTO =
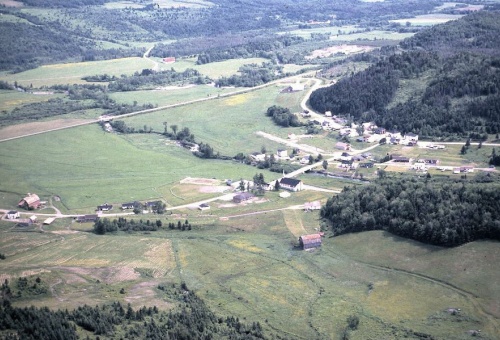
11,3
344,49
36,127
200,181
210,189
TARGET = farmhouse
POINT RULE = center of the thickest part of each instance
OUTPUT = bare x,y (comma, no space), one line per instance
127,206
400,159
244,196
104,207
291,184
411,138
342,146
282,153
30,202
310,241
258,157
87,218
12,215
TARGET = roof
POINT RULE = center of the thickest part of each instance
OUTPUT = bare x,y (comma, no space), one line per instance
49,220
204,205
290,181
12,212
31,198
244,196
310,239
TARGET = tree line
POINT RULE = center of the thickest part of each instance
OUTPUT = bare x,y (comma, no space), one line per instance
436,211
105,225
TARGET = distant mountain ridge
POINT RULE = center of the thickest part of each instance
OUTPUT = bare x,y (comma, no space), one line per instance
459,64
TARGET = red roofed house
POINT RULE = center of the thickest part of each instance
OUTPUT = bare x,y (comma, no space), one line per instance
169,60
310,241
30,202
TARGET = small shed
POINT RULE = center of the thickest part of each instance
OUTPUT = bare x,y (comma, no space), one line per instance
310,241
49,220
33,218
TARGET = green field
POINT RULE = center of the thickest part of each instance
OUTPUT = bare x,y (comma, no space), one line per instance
110,169
248,267
10,99
228,124
213,70
71,73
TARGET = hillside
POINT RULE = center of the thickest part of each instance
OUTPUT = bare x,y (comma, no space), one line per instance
459,65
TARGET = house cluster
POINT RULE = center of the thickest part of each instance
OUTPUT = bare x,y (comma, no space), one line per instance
350,162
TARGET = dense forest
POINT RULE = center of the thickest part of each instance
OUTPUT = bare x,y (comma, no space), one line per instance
460,68
189,319
87,30
435,211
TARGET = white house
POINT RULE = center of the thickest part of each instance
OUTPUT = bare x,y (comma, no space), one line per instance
282,153
12,215
291,184
328,113
258,157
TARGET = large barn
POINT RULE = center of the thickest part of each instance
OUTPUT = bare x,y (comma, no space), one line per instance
310,241
31,201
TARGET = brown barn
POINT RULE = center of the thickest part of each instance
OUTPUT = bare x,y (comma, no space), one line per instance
310,241
31,201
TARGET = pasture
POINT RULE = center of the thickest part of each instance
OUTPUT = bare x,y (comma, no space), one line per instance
214,70
428,19
249,267
71,73
227,124
10,99
110,169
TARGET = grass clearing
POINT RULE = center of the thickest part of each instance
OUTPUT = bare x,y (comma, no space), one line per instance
10,99
428,19
87,174
71,73
227,124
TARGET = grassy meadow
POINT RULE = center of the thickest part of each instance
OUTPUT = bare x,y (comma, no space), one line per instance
71,73
249,267
110,169
228,124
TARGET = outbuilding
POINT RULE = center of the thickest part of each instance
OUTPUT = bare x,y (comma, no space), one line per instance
310,241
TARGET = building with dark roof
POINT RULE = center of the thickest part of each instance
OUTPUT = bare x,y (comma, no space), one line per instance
291,184
244,196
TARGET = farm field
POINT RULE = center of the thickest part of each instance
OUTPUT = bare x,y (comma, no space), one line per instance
213,70
71,73
249,266
110,169
428,19
9,99
233,120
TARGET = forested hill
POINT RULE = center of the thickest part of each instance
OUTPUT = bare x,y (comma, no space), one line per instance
445,83
440,212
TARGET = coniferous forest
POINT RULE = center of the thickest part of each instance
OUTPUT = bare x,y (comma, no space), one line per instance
435,211
459,63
